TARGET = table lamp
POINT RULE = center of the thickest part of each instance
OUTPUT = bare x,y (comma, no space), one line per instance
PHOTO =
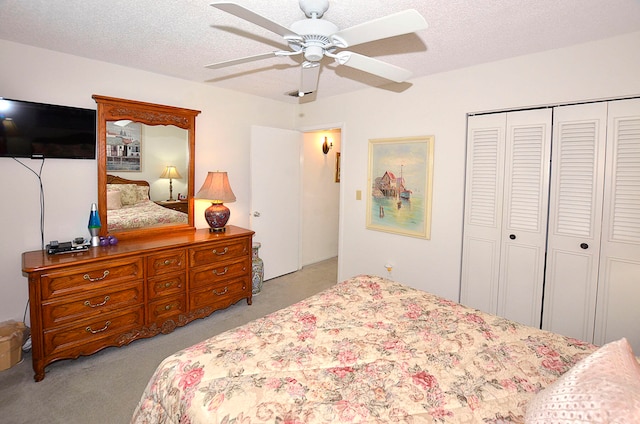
216,188
170,172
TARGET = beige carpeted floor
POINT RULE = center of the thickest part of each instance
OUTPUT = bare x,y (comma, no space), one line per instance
106,387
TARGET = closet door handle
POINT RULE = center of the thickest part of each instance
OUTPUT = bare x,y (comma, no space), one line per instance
584,246
512,236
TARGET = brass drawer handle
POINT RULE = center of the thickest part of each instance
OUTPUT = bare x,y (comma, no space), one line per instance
216,292
104,275
88,303
215,251
166,285
215,271
107,324
167,262
170,306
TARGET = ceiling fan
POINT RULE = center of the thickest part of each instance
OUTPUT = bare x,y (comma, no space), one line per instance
315,38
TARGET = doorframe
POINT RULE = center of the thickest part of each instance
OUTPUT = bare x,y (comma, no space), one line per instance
343,154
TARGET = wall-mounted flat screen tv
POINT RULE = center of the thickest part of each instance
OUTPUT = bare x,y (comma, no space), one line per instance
38,130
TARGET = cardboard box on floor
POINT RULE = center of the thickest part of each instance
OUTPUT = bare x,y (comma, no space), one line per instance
11,338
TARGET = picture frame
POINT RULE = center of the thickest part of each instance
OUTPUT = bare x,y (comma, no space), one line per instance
337,178
124,146
400,185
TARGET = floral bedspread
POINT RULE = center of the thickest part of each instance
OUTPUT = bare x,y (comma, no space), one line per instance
366,350
143,214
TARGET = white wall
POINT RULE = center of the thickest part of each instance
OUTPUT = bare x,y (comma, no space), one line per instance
437,105
320,198
26,73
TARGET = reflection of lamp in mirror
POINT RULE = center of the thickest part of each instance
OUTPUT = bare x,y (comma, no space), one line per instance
170,172
216,188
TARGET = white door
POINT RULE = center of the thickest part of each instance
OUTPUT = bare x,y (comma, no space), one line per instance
483,211
506,199
524,223
275,198
618,313
575,215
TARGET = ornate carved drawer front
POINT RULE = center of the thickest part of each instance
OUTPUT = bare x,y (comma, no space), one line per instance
166,285
219,252
166,262
90,277
92,332
220,295
92,303
166,308
220,272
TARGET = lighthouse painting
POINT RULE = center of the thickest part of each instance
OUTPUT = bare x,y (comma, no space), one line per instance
400,185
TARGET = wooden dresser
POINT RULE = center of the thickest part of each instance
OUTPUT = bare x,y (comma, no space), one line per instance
110,296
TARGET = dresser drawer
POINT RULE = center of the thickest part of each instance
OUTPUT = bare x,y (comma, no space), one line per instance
93,332
220,272
166,308
166,285
164,263
91,277
220,295
217,252
74,308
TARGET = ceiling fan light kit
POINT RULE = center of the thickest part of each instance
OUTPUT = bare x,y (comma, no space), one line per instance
316,38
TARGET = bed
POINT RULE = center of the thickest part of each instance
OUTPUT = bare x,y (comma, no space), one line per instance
129,206
377,351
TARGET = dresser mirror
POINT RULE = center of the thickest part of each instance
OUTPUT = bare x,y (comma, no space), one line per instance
145,167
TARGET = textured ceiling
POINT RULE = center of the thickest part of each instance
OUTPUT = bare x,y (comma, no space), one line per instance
179,37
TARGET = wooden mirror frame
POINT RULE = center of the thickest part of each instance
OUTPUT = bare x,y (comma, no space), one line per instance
114,109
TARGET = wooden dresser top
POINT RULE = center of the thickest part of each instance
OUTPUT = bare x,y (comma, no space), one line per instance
38,260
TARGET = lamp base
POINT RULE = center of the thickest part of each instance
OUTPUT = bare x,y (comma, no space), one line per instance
217,216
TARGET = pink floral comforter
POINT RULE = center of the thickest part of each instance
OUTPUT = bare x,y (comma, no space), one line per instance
143,214
366,350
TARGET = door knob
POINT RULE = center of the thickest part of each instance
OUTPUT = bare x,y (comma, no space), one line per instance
584,246
512,236
256,214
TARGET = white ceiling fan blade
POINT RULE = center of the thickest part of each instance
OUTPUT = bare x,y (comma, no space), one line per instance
309,77
399,23
253,17
373,66
226,63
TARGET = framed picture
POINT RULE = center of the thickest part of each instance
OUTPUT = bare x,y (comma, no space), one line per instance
400,185
337,167
124,146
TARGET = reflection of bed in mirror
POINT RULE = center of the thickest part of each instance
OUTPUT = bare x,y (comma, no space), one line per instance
129,206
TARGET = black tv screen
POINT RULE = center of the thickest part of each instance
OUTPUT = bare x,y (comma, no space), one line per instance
38,130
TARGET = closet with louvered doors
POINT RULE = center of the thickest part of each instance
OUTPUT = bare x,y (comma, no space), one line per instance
505,219
589,277
592,283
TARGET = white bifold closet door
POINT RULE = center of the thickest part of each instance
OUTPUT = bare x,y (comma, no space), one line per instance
506,213
592,282
575,216
618,308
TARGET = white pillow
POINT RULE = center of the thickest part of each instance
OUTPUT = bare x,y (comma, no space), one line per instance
113,200
604,387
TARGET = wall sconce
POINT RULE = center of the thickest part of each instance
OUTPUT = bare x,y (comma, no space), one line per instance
171,173
216,188
326,146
